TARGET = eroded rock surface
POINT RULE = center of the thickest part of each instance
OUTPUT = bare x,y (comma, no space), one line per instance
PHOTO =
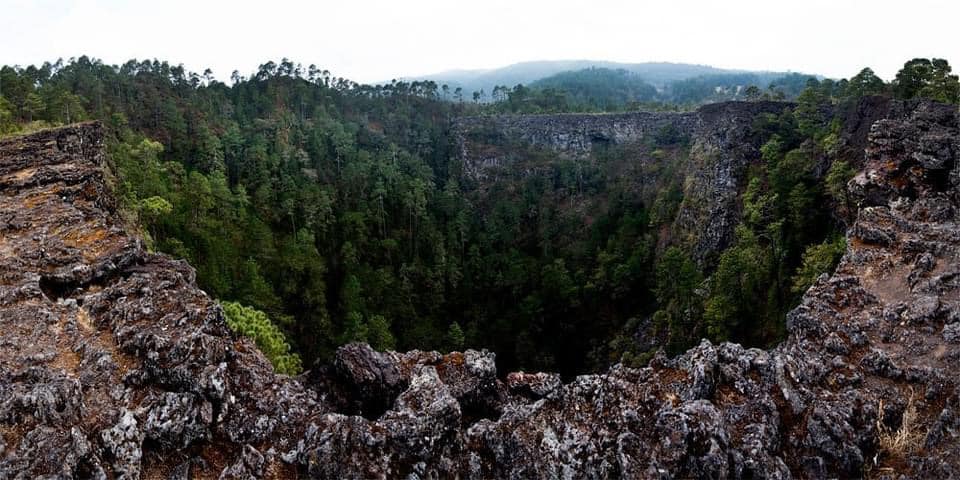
113,364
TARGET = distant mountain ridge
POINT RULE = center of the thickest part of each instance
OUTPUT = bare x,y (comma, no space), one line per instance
658,74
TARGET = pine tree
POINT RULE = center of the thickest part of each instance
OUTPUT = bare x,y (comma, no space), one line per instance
455,337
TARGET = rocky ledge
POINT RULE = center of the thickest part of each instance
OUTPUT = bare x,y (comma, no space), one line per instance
113,364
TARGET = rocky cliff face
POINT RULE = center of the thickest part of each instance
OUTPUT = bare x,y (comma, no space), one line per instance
113,364
574,134
722,149
722,146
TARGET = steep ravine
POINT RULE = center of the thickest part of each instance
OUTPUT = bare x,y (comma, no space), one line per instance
721,143
114,364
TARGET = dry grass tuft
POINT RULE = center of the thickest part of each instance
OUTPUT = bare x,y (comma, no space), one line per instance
906,439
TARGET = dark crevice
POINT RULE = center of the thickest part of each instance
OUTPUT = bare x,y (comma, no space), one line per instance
939,179
472,410
600,141
58,287
369,400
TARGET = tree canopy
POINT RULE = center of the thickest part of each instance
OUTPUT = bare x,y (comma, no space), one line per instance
322,211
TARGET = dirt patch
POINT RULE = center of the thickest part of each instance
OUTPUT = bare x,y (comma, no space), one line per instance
91,242
83,321
21,175
66,360
727,396
888,286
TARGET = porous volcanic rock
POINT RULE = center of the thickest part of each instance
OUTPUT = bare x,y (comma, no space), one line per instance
114,364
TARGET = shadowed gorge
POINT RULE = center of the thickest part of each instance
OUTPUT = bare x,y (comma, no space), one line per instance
322,212
132,370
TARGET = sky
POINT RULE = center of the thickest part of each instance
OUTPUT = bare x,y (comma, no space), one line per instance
376,40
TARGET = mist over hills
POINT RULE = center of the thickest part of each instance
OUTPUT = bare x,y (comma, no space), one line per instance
659,74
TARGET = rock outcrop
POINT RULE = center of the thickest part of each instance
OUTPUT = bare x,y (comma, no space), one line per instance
113,364
722,145
569,133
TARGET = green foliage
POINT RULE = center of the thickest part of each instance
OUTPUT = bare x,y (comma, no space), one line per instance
599,88
835,182
155,207
669,135
378,333
865,83
786,211
736,86
522,99
340,211
677,281
269,338
812,117
738,289
927,78
603,89
7,122
455,337
152,209
818,259
355,329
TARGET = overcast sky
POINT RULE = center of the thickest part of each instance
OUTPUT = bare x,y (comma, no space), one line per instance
370,40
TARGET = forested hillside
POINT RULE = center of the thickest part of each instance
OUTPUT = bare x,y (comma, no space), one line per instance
340,212
611,90
599,89
661,75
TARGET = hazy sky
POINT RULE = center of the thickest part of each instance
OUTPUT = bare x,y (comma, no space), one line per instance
370,40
